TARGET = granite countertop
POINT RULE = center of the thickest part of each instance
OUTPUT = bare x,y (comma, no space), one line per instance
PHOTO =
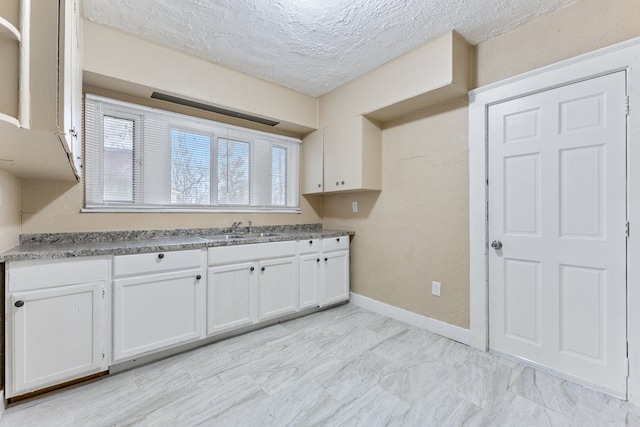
68,245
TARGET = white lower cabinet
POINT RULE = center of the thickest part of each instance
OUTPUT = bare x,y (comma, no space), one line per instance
249,284
278,287
70,318
334,270
309,272
56,326
157,311
231,297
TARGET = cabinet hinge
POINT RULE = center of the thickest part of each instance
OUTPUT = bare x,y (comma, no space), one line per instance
103,292
627,229
102,356
627,109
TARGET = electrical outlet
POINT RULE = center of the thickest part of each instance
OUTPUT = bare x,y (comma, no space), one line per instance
354,205
435,288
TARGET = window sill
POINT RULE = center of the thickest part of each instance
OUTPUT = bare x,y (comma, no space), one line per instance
141,210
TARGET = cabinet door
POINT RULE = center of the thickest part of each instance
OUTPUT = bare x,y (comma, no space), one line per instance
76,87
65,71
343,155
231,297
332,157
57,336
309,279
278,290
312,163
157,311
335,277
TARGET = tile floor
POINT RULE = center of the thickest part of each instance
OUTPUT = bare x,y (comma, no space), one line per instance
346,366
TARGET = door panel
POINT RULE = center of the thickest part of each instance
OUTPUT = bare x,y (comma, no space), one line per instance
582,302
157,311
522,194
522,305
57,336
278,292
557,202
230,297
335,277
581,192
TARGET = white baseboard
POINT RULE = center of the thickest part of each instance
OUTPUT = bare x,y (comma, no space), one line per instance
447,330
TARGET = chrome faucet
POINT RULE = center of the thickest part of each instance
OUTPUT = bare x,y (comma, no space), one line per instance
235,225
250,224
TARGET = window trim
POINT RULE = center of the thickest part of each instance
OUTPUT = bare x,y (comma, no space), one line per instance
216,130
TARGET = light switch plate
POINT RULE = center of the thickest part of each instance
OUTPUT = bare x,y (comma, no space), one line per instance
354,205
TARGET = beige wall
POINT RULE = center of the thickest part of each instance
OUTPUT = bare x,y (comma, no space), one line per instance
117,61
580,28
137,67
9,210
49,207
416,229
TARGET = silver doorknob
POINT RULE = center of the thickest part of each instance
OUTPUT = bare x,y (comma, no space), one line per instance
496,244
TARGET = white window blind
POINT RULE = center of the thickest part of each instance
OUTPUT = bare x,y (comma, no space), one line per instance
138,158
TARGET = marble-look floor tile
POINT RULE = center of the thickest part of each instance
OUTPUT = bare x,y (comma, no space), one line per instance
439,407
53,417
481,381
400,351
515,410
547,390
214,399
344,366
123,409
375,407
413,383
355,378
449,352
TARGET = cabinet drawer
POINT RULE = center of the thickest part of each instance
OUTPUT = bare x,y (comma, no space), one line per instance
335,243
40,274
124,265
309,246
231,254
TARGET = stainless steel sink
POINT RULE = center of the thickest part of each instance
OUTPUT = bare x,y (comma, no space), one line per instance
225,236
256,235
232,236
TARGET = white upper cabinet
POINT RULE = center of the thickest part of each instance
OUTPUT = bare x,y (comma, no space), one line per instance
350,160
40,88
10,44
312,163
352,156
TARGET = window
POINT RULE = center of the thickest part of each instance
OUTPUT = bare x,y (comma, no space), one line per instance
138,158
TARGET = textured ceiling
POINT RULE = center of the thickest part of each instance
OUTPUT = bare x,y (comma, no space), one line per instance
312,46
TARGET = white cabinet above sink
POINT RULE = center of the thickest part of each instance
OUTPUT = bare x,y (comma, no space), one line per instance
343,157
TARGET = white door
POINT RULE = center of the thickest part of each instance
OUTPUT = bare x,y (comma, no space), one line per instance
278,287
231,298
57,336
557,205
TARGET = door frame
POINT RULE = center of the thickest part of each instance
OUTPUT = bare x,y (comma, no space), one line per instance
623,56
